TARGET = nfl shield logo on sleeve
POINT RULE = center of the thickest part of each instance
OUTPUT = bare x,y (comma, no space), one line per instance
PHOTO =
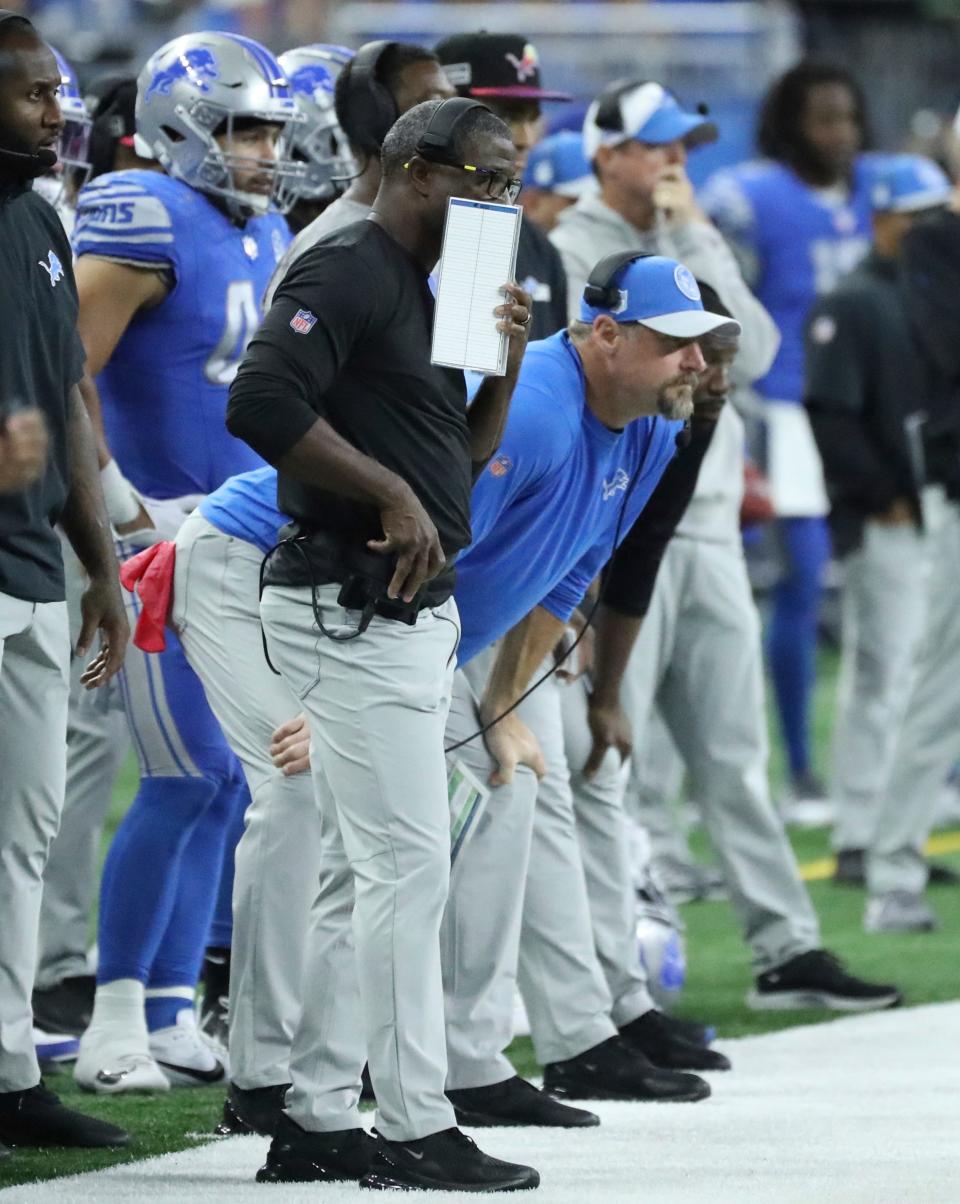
303,321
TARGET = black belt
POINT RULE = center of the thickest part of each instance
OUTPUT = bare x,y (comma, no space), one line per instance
315,557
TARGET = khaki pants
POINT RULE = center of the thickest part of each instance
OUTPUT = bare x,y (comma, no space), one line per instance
698,655
34,686
216,611
377,706
929,740
884,606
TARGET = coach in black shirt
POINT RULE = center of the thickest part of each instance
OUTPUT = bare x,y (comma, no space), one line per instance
40,365
376,453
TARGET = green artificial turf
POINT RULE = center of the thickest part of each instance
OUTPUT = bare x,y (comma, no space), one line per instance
719,975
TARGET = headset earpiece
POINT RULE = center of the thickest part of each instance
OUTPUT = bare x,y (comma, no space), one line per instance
369,106
438,136
600,291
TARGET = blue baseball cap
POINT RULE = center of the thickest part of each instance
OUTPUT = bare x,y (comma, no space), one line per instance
558,164
645,112
909,184
662,294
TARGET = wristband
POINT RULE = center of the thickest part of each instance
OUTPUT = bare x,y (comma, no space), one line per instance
121,501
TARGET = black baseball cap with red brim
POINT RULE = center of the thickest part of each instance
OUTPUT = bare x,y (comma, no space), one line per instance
496,65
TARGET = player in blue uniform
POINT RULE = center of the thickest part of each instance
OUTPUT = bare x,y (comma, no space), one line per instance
172,266
799,220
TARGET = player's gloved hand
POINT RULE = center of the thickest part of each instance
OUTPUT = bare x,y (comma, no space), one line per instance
290,746
510,743
408,533
102,609
609,728
674,197
23,449
161,519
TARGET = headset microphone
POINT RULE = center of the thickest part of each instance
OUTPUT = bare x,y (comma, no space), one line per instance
28,166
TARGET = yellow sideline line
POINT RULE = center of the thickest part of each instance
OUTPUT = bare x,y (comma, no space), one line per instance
817,871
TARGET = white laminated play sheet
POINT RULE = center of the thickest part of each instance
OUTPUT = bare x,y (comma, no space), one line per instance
479,256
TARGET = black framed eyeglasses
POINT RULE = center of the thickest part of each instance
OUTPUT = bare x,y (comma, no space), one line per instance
499,185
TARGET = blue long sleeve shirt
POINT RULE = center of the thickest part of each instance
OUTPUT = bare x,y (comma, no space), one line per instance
546,509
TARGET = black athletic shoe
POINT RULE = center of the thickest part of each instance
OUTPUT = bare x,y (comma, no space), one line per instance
615,1069
65,1007
296,1156
445,1161
818,980
256,1110
851,869
941,875
37,1118
654,1037
515,1102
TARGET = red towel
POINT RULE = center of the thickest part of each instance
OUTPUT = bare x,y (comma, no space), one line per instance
150,575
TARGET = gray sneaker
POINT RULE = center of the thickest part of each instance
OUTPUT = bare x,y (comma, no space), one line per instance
899,911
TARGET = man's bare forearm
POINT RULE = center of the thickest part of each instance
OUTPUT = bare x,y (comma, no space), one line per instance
614,638
520,654
84,517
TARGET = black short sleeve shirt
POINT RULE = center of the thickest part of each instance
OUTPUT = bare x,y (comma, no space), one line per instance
348,339
41,360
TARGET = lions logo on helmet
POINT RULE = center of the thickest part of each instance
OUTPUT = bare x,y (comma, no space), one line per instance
317,143
193,91
197,66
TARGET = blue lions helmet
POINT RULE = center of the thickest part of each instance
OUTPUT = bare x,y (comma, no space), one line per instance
318,142
75,138
199,87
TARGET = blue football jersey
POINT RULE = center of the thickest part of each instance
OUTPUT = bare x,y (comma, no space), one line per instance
795,243
164,391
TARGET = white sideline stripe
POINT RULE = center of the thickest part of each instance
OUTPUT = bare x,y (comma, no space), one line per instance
864,1110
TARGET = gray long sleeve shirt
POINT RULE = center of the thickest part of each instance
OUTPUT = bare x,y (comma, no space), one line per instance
590,230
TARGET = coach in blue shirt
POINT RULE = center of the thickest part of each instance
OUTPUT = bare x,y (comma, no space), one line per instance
593,424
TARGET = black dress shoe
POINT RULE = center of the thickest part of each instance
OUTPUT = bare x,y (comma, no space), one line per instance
256,1110
65,1007
689,1030
653,1036
615,1069
37,1118
297,1156
445,1161
516,1102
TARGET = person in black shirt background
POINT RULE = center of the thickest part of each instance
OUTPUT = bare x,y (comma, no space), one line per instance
503,71
39,371
337,387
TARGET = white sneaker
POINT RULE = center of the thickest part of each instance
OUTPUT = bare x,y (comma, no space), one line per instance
899,911
112,1065
183,1055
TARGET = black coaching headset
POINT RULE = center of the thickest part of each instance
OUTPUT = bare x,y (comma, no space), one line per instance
601,291
368,106
436,143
